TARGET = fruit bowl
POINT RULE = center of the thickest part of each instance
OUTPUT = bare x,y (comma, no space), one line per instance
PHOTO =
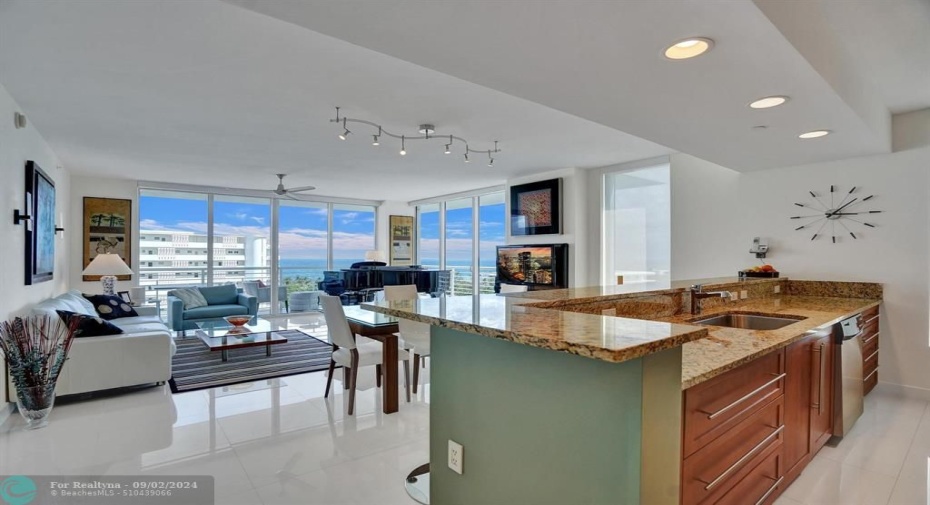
765,271
238,321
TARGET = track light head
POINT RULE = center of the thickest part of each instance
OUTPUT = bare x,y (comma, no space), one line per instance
375,141
491,163
448,149
344,135
466,158
403,146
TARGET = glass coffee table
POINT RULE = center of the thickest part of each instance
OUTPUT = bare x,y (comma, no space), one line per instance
220,336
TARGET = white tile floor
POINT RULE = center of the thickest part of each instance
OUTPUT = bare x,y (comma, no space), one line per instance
282,443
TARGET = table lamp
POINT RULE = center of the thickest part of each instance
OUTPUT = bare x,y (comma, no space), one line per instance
108,266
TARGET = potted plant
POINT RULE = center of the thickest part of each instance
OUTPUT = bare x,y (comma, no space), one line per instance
35,348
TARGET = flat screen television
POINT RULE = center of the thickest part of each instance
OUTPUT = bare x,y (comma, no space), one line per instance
539,266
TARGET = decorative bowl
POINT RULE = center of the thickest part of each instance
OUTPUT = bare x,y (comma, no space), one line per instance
238,321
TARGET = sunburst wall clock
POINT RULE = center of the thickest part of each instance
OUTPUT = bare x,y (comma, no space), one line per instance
839,216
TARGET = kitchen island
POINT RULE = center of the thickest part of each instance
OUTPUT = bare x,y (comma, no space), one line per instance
575,396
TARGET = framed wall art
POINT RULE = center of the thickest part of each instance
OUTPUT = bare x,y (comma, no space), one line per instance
107,229
40,228
536,208
402,245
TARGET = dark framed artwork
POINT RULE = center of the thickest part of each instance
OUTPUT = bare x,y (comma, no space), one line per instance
107,229
535,208
125,296
402,244
40,230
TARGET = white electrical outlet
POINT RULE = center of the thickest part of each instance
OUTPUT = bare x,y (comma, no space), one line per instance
734,296
744,294
456,456
777,288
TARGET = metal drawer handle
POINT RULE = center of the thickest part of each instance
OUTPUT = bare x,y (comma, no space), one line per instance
871,319
873,337
871,356
769,492
747,396
870,375
752,452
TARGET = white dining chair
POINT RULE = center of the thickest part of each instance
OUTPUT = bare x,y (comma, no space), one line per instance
415,334
513,288
351,355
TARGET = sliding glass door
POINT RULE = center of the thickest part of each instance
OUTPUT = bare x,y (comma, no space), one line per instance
190,238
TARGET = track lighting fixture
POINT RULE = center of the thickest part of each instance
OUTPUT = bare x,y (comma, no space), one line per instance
490,160
343,135
427,130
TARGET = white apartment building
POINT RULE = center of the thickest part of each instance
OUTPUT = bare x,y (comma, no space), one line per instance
182,258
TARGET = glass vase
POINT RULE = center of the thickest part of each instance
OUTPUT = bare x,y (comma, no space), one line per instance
35,404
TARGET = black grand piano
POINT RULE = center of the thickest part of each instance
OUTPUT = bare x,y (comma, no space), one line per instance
359,283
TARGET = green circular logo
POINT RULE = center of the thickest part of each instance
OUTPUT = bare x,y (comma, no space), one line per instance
17,490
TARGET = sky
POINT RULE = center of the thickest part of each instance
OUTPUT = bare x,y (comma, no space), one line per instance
303,226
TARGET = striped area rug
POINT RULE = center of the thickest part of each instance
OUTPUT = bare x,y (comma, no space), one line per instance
196,367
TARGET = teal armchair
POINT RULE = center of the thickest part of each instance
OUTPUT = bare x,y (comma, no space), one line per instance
222,301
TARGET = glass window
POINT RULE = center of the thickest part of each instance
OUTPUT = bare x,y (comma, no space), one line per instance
637,226
490,235
428,236
353,234
460,240
241,227
302,244
168,216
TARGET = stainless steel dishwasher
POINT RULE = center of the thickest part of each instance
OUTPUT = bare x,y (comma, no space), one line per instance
847,376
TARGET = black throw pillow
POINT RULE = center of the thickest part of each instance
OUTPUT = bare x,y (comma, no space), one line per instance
89,326
111,306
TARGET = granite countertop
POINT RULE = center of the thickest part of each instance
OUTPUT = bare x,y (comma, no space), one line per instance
613,339
727,348
562,320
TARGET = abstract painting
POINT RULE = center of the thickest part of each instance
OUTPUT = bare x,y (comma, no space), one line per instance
107,223
40,232
535,208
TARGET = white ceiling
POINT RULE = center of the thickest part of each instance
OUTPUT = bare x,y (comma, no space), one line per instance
602,61
207,93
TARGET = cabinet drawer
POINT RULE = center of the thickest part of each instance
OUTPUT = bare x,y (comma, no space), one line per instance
869,382
714,407
870,329
870,313
761,486
869,345
714,470
869,364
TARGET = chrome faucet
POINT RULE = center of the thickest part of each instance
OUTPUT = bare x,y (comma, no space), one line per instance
698,294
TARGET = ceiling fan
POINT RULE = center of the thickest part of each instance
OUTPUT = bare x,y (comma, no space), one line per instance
281,191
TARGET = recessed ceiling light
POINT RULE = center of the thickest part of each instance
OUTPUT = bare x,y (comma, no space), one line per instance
814,134
689,48
769,101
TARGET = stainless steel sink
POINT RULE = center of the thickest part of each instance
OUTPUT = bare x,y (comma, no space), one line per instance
746,321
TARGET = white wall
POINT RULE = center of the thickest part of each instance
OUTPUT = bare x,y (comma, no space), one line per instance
82,186
574,221
704,206
17,146
894,254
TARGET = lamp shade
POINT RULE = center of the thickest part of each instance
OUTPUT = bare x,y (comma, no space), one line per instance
374,255
107,264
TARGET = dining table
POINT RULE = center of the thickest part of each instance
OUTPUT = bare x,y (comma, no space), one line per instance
383,329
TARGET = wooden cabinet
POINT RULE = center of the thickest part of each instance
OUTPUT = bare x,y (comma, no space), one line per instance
870,337
821,398
750,432
734,428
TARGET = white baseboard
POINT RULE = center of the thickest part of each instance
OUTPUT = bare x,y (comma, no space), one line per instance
903,391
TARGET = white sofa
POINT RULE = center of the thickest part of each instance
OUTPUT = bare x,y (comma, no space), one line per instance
141,355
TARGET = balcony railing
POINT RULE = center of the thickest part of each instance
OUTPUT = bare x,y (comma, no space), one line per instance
159,280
